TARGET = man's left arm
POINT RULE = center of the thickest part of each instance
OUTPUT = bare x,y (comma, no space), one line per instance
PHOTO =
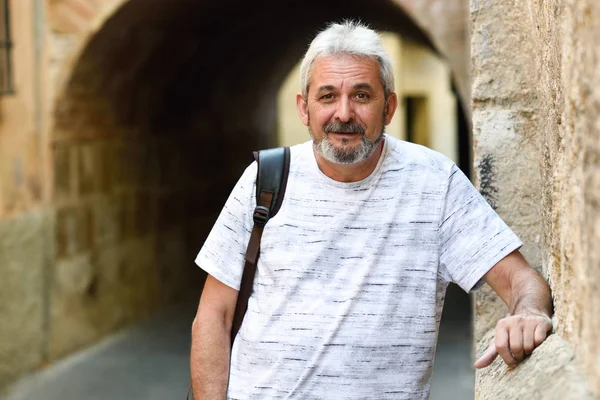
528,298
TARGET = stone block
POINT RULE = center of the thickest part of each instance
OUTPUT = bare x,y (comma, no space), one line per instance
75,276
502,53
145,212
83,307
62,173
149,174
87,169
74,323
115,165
107,261
73,230
96,294
24,255
505,157
139,290
112,165
126,209
130,163
105,173
94,175
105,221
551,372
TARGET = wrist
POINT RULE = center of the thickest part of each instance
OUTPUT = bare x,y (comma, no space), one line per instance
526,312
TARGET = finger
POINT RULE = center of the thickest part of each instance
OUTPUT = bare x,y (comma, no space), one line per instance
516,342
541,332
502,347
488,356
528,340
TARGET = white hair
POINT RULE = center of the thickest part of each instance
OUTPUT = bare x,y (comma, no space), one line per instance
349,37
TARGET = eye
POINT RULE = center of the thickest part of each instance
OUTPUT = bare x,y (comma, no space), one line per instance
327,96
362,96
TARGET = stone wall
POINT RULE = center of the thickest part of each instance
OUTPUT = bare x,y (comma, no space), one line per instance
25,215
536,104
23,152
125,234
24,259
568,65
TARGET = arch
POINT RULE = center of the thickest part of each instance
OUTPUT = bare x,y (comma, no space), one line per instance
155,118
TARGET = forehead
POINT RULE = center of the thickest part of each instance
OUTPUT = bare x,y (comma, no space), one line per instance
345,69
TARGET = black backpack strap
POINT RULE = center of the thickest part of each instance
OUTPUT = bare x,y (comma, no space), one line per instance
271,181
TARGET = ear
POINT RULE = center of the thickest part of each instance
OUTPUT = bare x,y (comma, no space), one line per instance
302,107
391,107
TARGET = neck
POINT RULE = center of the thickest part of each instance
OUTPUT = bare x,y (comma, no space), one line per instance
349,172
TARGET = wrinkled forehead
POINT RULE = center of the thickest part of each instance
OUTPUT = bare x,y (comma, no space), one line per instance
335,69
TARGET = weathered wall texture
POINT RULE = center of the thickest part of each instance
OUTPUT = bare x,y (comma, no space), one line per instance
536,107
23,152
569,67
25,218
24,258
506,141
124,230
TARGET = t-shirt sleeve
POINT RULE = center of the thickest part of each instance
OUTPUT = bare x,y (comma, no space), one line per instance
473,238
222,255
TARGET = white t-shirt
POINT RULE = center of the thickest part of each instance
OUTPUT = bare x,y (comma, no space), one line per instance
351,277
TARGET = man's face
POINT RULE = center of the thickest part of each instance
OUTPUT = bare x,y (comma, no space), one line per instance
345,109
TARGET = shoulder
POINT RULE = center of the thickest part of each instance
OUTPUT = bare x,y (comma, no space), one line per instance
410,156
301,153
248,177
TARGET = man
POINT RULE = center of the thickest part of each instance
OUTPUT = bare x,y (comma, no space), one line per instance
353,269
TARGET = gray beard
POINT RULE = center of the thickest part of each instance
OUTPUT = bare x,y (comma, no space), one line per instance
345,155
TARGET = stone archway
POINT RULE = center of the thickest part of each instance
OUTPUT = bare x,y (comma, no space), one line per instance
157,108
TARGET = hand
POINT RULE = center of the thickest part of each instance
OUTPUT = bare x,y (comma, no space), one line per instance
516,337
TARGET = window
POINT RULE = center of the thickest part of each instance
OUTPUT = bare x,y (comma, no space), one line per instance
6,83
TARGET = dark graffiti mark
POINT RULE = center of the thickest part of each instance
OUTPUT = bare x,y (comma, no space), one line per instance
487,186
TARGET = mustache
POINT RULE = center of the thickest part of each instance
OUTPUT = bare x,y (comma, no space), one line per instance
344,127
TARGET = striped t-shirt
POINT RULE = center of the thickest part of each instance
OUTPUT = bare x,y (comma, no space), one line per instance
351,277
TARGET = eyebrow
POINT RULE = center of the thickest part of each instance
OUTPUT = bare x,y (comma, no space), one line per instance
360,86
326,88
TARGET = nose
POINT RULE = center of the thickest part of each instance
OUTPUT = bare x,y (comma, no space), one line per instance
344,111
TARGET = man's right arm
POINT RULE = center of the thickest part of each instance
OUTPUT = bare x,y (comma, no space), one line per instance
211,341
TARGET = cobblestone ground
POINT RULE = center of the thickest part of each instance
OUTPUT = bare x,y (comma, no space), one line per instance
150,362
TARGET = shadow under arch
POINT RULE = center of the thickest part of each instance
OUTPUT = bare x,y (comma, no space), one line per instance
153,59
161,111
